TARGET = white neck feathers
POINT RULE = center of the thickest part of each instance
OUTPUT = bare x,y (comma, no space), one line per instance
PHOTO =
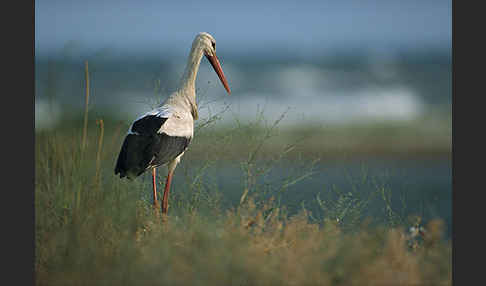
188,81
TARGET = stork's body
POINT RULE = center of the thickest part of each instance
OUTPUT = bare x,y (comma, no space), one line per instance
160,136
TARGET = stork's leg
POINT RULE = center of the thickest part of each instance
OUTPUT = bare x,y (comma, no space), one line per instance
154,184
165,199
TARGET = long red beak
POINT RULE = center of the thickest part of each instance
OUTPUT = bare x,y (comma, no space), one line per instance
217,68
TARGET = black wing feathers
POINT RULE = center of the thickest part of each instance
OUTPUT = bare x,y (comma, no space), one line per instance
145,148
133,156
148,125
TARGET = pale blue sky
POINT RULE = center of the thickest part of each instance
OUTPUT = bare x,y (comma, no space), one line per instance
303,28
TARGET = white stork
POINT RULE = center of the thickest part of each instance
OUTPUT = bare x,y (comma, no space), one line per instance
160,136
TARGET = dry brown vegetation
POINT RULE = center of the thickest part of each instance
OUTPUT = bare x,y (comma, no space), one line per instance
94,229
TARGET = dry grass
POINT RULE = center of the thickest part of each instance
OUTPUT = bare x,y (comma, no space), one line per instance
95,229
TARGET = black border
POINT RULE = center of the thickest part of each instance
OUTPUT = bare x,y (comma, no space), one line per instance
467,212
18,142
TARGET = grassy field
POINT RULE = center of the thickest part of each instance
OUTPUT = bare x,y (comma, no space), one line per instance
91,228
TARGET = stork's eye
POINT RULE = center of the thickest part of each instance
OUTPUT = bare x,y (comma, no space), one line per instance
214,45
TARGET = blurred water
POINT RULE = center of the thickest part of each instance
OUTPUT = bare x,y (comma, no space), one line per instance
417,187
340,91
47,114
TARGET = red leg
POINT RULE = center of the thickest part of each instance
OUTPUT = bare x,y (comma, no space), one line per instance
165,199
154,184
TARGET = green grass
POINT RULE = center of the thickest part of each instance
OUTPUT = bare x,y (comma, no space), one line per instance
91,228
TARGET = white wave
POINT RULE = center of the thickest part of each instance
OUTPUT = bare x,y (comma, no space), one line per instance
362,106
46,116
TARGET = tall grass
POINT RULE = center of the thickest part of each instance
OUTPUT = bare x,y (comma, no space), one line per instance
92,228
86,107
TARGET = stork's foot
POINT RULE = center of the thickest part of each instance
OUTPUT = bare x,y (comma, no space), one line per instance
165,208
156,209
164,216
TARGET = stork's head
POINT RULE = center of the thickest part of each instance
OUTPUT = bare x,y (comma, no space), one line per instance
208,45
